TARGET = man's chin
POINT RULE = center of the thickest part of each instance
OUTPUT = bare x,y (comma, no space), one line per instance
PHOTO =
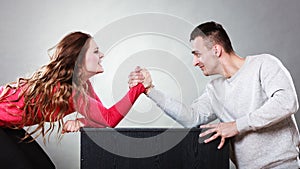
205,73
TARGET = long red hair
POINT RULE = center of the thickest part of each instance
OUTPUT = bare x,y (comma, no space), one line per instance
50,87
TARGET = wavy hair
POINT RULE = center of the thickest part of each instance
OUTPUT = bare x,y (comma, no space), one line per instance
49,89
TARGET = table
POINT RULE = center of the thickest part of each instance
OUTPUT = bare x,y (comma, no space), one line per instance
150,148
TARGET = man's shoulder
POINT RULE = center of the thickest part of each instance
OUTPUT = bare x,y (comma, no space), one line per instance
262,58
266,62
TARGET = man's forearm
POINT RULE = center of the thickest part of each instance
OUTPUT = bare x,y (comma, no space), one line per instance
173,108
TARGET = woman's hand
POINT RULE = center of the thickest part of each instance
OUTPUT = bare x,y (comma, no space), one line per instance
72,126
135,77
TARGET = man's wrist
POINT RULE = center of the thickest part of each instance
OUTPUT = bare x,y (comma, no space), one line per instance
148,89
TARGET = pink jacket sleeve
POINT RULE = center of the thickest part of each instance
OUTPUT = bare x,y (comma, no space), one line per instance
96,115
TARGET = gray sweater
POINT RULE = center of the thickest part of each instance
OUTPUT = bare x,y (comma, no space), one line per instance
261,98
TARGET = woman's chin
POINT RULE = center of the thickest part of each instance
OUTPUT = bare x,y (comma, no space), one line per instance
100,71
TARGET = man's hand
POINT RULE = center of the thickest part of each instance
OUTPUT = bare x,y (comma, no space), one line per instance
147,81
223,130
72,126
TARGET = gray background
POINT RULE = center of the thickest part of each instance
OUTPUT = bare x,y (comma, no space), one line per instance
29,28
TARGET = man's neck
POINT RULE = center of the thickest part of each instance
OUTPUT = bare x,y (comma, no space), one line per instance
231,63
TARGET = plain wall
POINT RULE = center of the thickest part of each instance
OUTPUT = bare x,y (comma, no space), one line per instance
153,34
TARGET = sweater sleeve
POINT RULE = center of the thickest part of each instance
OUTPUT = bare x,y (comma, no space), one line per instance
199,112
96,115
281,101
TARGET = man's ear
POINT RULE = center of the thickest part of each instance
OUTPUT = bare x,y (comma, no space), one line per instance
217,50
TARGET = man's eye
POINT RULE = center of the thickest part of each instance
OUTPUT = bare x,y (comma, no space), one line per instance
197,54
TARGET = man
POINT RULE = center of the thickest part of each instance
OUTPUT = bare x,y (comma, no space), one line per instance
254,99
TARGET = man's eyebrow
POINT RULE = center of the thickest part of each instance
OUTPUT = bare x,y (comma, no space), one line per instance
195,52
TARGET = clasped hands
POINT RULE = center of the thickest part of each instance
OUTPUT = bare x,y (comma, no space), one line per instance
140,76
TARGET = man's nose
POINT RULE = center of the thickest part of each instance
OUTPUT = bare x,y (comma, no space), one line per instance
196,61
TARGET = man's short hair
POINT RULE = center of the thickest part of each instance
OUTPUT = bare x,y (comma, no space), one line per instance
212,33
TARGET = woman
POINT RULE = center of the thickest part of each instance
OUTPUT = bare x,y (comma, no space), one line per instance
52,92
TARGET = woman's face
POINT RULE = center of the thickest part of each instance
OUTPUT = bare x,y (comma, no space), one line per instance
93,59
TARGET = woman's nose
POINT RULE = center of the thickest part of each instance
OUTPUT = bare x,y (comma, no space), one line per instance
101,55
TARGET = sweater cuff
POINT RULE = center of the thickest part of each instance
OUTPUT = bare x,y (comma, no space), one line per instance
156,95
242,124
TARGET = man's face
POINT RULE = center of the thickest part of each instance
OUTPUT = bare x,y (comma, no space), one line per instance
204,58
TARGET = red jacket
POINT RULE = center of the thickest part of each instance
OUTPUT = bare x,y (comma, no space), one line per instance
96,115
